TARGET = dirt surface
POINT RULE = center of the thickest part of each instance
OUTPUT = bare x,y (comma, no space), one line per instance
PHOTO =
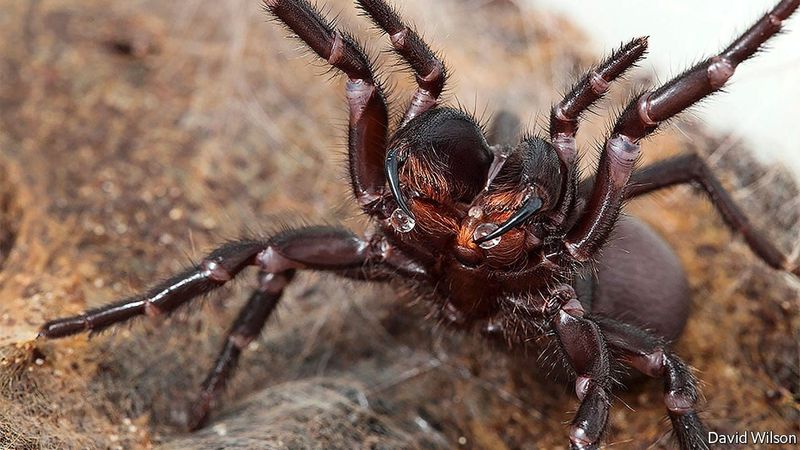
136,136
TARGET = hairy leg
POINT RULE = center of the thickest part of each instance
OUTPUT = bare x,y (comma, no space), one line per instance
319,248
690,168
643,116
248,325
429,70
369,118
564,116
314,248
650,355
219,267
587,353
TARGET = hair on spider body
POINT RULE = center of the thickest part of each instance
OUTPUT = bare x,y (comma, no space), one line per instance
497,234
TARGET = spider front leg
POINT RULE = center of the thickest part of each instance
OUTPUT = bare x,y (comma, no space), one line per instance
643,116
216,269
586,350
650,355
313,248
430,72
369,119
565,115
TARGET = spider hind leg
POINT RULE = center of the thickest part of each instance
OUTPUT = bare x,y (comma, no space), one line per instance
649,355
690,168
219,267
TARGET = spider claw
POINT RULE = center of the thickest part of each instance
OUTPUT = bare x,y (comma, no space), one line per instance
392,168
528,209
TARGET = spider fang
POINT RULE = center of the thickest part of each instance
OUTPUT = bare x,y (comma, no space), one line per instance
528,209
392,168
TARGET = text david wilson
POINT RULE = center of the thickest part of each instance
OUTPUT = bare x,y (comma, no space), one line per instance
752,437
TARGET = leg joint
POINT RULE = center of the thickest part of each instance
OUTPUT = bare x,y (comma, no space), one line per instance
650,364
240,340
214,270
622,155
273,262
582,386
720,69
399,39
274,283
598,84
433,81
643,108
679,402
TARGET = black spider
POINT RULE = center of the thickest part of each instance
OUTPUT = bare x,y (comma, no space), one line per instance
500,236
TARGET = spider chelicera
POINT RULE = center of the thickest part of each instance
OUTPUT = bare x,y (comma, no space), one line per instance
500,235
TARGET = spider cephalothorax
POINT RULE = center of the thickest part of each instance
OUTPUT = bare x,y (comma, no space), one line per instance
495,229
458,197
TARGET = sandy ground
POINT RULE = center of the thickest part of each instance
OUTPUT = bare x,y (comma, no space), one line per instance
135,136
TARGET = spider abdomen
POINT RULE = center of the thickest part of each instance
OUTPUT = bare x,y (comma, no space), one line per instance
641,280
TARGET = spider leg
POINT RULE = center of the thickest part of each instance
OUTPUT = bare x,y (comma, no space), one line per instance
565,115
430,72
585,349
643,116
316,248
219,267
690,168
594,84
247,327
369,118
649,355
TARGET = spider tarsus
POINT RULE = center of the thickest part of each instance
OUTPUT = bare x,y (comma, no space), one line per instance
199,412
62,327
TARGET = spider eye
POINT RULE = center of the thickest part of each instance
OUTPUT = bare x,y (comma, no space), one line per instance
528,209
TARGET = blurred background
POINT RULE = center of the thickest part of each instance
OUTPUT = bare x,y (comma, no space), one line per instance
763,99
